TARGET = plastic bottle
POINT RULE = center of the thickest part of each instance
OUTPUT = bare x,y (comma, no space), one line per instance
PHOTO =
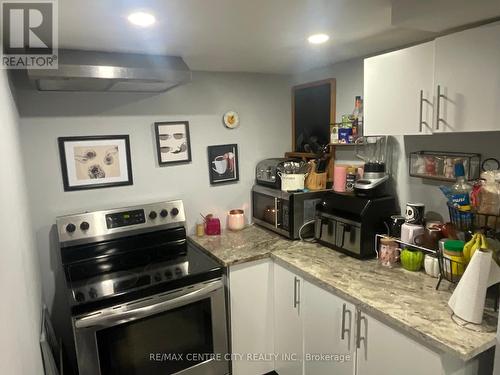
350,179
461,189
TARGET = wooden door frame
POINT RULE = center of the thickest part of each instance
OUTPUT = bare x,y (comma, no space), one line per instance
333,101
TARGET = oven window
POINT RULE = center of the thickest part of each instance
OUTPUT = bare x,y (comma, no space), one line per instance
160,344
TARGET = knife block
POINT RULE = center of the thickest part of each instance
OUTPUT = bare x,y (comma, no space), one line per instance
316,181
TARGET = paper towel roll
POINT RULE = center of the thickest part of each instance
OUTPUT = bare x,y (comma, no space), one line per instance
468,299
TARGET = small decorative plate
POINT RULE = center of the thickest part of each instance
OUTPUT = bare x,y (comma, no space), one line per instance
490,164
231,119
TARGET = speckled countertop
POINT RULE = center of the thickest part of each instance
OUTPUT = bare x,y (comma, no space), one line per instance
402,299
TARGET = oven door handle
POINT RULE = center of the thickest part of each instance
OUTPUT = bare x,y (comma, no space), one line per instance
122,315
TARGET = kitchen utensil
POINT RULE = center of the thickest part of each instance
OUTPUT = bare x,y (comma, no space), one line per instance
415,213
410,231
236,220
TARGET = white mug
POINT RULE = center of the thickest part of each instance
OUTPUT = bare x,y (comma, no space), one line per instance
220,164
410,231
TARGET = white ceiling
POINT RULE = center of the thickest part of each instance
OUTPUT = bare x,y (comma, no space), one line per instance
267,36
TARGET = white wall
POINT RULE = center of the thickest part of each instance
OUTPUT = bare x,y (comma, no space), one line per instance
263,102
20,309
349,77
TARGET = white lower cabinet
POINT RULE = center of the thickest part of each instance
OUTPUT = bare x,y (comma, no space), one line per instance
288,344
383,350
311,331
251,292
328,333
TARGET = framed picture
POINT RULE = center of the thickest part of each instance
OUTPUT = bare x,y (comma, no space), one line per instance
95,162
172,142
223,163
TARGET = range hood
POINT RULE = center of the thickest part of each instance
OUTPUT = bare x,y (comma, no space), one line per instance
108,71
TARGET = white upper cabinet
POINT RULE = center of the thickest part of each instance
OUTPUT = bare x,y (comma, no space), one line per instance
467,71
398,92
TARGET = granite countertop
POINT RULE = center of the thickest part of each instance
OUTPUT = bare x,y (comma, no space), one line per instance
402,299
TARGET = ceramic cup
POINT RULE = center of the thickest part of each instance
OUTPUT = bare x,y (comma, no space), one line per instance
395,223
431,265
415,213
410,231
430,238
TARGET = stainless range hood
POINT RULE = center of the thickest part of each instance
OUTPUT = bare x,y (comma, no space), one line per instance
115,72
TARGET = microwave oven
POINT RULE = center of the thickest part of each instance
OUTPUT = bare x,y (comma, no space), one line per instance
283,212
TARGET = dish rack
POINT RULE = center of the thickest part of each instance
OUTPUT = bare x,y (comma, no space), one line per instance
471,222
448,269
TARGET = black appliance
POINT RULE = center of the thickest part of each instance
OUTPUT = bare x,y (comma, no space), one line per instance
143,298
283,212
349,223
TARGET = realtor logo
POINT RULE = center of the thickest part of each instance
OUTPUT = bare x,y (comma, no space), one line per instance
29,35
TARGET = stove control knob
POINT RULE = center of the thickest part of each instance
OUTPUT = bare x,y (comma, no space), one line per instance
175,211
163,213
157,277
178,272
152,215
168,274
70,228
80,297
84,225
92,293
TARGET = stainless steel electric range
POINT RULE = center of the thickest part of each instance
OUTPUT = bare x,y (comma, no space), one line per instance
143,299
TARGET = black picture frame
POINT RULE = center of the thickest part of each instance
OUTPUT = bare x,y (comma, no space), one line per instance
122,141
219,164
171,142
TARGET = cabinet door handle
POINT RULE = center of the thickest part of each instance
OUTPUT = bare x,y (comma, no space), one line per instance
438,107
359,337
420,120
296,292
345,330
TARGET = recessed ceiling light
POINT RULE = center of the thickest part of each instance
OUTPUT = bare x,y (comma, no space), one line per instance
141,19
318,38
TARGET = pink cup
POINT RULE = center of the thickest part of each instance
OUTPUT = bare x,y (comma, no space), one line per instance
339,178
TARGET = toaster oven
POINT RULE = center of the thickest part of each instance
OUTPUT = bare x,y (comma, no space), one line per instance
283,212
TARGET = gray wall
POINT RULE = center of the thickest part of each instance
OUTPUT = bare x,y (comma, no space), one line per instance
263,102
20,289
349,77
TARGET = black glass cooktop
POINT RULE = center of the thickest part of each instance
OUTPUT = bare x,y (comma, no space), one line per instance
105,273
